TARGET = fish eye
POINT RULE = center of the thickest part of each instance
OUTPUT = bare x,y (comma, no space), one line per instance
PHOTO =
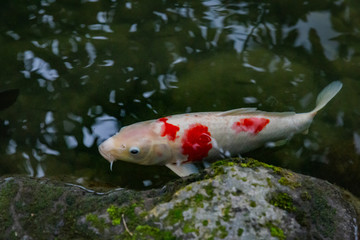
134,150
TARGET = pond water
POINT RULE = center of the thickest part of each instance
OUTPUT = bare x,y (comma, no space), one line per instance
74,72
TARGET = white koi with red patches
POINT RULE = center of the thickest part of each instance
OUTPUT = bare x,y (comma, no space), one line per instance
179,140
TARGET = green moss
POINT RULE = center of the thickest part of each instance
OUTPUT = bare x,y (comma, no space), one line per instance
199,198
240,232
38,197
134,223
116,214
222,232
252,204
218,167
38,203
149,232
205,223
276,231
98,223
283,201
209,189
322,214
252,163
7,194
43,203
268,180
226,213
175,215
244,179
225,163
189,227
70,200
283,181
305,196
289,182
237,193
219,170
257,185
144,232
302,218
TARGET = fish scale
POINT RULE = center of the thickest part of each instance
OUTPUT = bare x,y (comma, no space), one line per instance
178,141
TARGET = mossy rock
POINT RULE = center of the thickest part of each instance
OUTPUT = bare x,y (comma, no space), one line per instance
233,199
253,200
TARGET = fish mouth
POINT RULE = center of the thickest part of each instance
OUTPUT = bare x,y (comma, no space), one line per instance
106,154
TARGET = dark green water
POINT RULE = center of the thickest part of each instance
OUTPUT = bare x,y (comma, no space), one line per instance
84,69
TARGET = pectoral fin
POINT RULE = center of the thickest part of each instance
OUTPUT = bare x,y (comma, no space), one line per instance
305,132
277,143
183,170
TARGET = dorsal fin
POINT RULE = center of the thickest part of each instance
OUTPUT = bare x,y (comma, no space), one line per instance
250,111
238,111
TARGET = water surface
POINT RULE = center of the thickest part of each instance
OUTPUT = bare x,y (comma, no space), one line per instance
83,69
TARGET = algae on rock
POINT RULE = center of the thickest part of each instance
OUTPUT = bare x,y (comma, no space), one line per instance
233,199
253,200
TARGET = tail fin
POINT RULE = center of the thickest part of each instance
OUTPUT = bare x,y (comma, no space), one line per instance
326,95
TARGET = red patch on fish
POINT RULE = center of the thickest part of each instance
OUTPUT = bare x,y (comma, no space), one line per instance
253,125
168,129
196,142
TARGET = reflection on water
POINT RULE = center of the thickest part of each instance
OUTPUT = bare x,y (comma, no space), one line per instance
357,143
85,69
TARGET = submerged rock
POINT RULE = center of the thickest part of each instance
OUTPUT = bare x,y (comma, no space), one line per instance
233,199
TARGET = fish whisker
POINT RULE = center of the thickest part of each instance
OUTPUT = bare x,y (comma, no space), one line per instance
111,165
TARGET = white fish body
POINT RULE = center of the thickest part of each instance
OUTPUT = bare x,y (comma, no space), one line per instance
179,140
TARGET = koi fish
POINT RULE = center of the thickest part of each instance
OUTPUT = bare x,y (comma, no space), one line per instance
178,141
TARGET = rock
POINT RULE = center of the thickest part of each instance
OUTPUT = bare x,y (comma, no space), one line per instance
234,199
264,202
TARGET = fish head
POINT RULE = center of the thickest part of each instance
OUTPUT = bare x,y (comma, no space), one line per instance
137,143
